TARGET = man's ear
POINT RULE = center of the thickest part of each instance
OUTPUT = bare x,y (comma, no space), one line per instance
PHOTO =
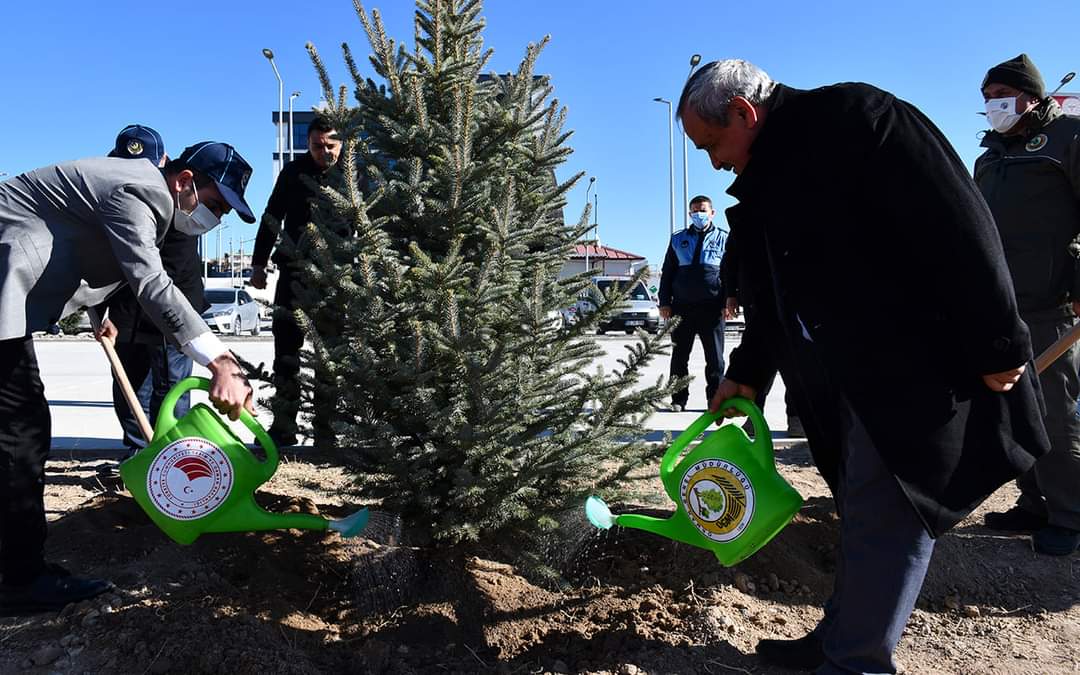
181,180
744,111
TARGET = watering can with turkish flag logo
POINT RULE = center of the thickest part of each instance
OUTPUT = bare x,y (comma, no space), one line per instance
197,476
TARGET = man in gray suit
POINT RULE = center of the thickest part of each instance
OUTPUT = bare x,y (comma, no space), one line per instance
71,234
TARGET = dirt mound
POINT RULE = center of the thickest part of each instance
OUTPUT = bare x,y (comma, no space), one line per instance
307,602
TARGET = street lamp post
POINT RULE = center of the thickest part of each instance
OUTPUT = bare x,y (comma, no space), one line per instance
592,180
269,54
596,225
694,60
671,162
220,229
596,215
292,135
244,256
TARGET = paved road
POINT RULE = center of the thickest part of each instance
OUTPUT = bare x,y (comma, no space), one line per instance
78,386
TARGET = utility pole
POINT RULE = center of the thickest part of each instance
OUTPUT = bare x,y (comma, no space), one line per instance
671,162
592,180
694,60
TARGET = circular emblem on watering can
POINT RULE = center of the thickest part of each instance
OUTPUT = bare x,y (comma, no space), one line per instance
719,499
189,479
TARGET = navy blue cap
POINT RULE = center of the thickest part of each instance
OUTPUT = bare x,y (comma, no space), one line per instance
138,142
221,163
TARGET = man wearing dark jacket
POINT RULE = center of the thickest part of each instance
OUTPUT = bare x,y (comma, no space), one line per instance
289,211
850,200
738,295
153,365
691,289
1030,177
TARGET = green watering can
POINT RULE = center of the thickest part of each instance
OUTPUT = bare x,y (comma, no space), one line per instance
729,497
196,476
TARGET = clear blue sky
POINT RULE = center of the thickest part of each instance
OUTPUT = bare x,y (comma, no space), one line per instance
76,72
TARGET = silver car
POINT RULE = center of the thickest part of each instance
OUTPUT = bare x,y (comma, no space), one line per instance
232,311
638,310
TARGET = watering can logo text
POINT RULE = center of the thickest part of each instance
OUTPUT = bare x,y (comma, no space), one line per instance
718,497
189,479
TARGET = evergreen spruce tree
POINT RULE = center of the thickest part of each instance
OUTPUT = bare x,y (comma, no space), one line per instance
432,269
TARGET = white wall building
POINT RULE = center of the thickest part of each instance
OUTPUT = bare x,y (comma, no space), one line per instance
601,260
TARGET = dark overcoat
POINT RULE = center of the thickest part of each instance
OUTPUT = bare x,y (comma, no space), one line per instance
879,277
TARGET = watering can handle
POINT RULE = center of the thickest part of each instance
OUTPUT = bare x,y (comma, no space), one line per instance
166,420
762,439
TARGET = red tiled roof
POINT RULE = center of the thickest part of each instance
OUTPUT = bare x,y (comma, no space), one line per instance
603,252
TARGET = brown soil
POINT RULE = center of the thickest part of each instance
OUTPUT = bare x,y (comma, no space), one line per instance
305,602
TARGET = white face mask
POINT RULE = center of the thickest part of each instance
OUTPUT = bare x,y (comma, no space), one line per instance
200,221
1002,113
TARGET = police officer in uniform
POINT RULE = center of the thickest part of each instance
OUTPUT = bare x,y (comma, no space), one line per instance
690,288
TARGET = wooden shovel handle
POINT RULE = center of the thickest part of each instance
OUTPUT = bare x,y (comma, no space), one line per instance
1057,349
122,378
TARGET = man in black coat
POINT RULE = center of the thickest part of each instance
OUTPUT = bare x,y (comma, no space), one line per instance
288,212
853,211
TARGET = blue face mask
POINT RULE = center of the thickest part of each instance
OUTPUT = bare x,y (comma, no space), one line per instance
699,220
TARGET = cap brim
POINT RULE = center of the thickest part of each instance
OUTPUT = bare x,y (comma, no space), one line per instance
237,202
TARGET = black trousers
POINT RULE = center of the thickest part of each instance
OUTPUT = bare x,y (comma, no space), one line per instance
1050,487
789,398
25,435
288,340
153,370
706,324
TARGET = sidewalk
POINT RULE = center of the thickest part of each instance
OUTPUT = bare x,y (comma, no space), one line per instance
78,385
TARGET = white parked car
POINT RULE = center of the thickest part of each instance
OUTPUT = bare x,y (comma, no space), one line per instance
638,310
232,311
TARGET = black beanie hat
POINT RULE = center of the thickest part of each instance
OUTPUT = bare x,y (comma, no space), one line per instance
1019,73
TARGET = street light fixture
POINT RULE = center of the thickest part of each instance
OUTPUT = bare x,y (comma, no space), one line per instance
592,180
671,163
694,60
292,140
269,54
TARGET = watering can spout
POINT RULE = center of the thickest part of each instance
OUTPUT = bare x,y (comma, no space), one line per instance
256,519
196,476
665,527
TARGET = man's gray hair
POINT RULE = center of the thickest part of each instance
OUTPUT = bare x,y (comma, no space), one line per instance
710,90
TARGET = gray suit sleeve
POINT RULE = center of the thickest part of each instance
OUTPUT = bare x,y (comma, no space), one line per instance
129,217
